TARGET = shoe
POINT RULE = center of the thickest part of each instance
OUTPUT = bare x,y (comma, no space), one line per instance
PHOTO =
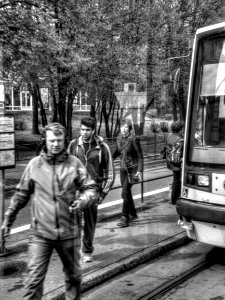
123,222
133,218
87,257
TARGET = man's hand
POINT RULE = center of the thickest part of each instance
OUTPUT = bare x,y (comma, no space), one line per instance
139,175
76,206
100,199
5,230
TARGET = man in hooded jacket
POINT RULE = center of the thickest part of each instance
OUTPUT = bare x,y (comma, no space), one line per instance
59,188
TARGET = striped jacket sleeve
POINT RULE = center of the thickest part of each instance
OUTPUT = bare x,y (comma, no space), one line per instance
109,170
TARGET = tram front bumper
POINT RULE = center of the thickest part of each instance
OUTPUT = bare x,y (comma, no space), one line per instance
200,211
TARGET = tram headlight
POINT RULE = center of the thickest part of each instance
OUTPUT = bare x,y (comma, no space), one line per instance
203,180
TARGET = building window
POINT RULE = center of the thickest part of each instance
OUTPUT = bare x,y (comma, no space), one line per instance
23,99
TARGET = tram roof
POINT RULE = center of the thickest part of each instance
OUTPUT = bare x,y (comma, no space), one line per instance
212,28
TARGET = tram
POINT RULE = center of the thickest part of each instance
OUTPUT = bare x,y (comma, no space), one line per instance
202,203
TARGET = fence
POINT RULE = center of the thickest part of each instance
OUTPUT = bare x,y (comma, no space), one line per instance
151,145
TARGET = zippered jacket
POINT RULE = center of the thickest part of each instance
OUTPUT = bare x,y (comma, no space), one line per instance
53,184
130,152
97,160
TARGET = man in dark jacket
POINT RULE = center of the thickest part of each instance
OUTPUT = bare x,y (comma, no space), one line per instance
52,181
95,154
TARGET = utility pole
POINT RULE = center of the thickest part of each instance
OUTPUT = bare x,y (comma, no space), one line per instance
2,171
7,149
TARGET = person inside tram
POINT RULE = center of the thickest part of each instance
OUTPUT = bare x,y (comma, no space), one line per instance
208,122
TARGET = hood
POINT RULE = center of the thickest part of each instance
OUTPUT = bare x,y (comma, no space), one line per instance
59,158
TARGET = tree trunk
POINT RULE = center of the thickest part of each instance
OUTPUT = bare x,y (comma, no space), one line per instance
42,110
92,112
117,125
35,129
92,101
149,69
31,89
112,118
71,96
62,102
54,93
174,107
100,122
181,98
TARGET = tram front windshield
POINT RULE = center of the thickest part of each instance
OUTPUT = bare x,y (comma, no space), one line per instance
207,122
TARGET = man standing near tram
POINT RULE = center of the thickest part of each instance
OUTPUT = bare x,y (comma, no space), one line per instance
95,154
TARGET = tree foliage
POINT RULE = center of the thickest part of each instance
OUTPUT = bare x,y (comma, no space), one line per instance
92,47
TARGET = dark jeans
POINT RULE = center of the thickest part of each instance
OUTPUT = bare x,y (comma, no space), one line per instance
90,220
39,253
176,186
128,202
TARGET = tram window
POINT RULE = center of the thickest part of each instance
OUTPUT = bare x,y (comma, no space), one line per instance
209,124
211,108
207,134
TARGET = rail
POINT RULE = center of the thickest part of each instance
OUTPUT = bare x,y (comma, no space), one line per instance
158,293
149,146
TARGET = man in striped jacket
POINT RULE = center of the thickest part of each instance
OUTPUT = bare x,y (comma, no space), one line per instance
95,154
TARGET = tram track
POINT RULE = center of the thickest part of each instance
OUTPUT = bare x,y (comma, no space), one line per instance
165,288
159,275
209,260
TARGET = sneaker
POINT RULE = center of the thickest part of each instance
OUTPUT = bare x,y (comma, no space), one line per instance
133,218
123,222
87,257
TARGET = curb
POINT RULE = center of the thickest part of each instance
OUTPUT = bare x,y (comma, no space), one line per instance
144,255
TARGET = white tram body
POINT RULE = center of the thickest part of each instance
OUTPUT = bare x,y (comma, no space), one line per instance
202,203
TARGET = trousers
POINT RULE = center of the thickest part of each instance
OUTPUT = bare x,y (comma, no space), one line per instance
90,219
39,253
176,186
128,208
